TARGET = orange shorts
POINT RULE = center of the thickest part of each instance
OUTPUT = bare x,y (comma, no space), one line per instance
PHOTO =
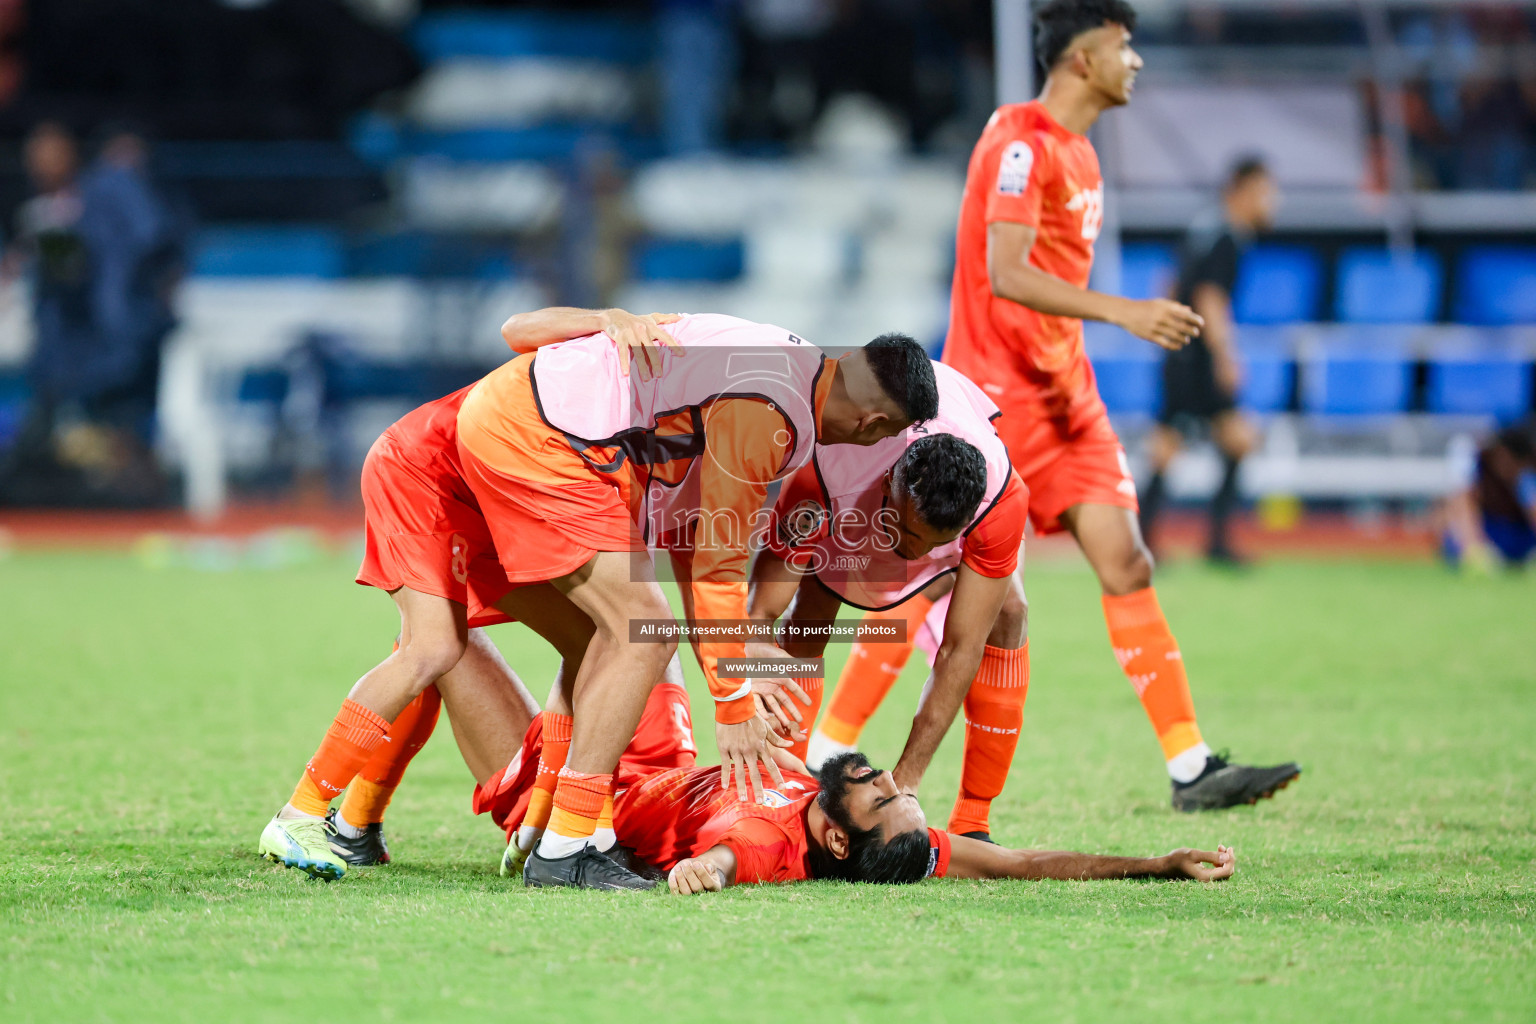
663,740
548,510
424,529
1066,465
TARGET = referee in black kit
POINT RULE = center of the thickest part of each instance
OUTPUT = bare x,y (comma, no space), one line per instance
1201,380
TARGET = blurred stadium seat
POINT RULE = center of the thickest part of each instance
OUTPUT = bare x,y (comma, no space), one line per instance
1480,374
1148,270
1269,368
1357,371
1496,285
685,259
1377,286
1278,284
1129,371
269,251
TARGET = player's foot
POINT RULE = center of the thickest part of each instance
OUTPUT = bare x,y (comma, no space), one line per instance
1222,784
821,747
585,869
513,858
303,843
984,837
366,851
1225,558
631,861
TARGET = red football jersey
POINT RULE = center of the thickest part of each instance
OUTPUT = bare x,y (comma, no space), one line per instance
672,815
1027,169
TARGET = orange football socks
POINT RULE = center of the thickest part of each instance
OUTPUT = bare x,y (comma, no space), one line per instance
370,792
557,744
348,744
579,799
1150,657
994,713
813,686
871,670
603,837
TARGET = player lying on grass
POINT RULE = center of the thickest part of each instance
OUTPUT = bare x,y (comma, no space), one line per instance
580,470
853,825
1032,208
873,531
429,548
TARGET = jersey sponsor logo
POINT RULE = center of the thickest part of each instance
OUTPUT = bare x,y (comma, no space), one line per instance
773,798
802,523
1091,202
458,562
933,861
1013,172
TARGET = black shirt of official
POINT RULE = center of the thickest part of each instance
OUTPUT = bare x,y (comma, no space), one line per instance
1210,254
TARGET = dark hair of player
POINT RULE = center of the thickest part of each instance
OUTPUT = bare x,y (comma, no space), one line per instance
1059,22
872,858
905,375
946,478
1245,167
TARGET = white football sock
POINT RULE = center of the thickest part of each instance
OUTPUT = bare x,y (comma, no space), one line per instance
527,837
290,812
553,846
346,828
604,840
822,747
1186,767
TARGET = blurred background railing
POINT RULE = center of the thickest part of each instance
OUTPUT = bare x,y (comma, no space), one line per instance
333,206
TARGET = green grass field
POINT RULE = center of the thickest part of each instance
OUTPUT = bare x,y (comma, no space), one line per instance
151,721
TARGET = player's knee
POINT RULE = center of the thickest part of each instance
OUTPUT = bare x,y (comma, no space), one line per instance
430,658
1129,573
1011,627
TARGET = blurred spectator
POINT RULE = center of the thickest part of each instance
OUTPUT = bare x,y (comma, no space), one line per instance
1201,380
105,251
1493,518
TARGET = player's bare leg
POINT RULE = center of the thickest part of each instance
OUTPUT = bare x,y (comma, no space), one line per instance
433,636
611,688
994,715
1150,657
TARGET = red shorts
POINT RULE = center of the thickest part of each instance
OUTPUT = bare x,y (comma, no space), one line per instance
663,740
549,512
424,529
1066,465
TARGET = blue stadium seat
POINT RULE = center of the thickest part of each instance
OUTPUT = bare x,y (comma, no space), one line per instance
1376,286
1147,270
1269,368
1358,371
544,143
1278,284
1129,371
269,252
586,36
1480,378
1496,285
13,404
683,259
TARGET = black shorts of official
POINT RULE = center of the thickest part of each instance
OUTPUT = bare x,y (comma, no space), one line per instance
1191,396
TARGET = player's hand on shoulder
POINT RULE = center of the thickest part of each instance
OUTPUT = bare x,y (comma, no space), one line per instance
1202,865
1163,322
694,876
745,747
641,337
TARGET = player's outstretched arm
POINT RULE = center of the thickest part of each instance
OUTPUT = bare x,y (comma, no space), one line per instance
972,858
710,871
1163,322
636,336
972,611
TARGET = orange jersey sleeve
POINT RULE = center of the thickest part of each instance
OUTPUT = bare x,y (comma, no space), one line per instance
1016,168
765,851
939,849
746,451
992,548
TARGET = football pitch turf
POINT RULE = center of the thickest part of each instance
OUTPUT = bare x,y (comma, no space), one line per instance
152,720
